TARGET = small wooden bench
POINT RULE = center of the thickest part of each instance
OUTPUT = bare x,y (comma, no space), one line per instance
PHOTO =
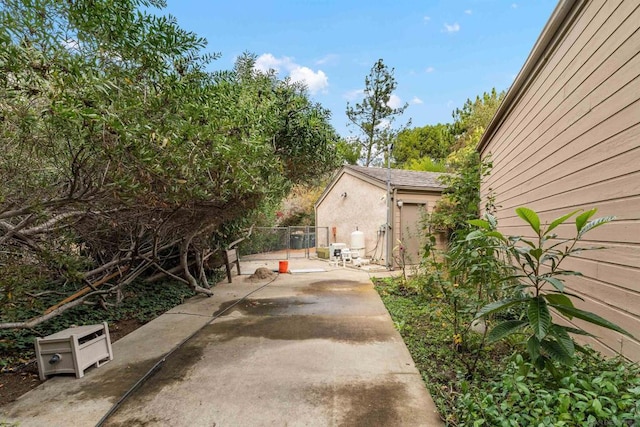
231,257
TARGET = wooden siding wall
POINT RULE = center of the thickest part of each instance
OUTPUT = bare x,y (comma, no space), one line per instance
572,141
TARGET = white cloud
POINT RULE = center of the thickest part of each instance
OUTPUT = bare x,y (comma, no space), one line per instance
267,61
514,5
394,101
416,101
316,81
427,18
353,94
429,70
468,11
453,28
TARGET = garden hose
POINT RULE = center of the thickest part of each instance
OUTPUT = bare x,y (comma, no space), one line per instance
159,364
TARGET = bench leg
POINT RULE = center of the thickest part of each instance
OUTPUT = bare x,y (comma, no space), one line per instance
228,272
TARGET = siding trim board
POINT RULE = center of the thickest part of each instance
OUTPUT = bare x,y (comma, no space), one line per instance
581,115
566,137
559,62
564,14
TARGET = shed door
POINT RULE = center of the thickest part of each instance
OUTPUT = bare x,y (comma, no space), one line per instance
410,231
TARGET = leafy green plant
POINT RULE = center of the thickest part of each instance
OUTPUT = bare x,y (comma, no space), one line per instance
144,302
467,275
594,392
540,286
506,389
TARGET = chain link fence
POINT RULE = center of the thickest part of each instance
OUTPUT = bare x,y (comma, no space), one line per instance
269,243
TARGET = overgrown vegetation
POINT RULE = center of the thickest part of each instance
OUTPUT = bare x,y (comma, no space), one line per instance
144,302
123,157
506,390
477,319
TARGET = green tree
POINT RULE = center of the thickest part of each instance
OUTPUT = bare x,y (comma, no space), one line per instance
374,117
461,201
425,164
431,141
348,151
470,121
122,155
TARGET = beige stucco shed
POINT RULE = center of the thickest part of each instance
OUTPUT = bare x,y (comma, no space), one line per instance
566,137
358,198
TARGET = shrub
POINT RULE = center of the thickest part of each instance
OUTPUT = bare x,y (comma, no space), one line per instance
537,269
592,392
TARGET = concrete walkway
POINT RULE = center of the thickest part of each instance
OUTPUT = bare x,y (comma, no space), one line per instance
312,349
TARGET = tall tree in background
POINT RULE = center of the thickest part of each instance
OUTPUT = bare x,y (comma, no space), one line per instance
470,121
374,116
423,148
462,197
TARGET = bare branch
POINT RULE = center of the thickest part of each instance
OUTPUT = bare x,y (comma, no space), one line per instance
236,242
41,319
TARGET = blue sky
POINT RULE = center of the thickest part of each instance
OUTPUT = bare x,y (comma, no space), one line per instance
443,52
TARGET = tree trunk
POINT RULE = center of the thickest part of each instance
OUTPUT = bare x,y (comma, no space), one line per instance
184,262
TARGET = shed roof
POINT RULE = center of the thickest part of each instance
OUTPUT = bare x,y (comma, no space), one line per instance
401,178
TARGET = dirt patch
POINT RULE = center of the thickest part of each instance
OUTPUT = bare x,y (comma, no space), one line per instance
262,273
122,328
17,381
363,405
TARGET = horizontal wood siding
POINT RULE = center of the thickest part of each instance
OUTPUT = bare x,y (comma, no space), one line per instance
572,141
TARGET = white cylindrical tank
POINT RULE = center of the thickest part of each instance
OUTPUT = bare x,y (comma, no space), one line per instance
357,243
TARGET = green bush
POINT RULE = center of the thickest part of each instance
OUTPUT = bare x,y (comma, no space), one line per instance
593,392
540,286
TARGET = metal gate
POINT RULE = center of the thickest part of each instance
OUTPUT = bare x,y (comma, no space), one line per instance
268,243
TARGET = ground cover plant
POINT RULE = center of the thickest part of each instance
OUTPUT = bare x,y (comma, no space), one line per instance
479,326
506,390
144,301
